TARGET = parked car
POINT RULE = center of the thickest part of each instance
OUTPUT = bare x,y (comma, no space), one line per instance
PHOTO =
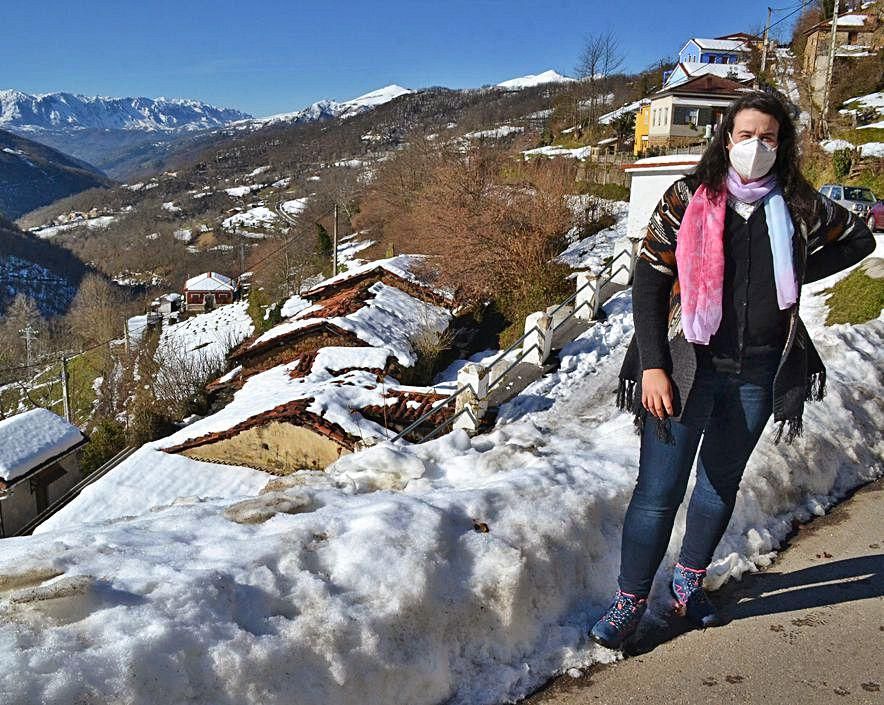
858,199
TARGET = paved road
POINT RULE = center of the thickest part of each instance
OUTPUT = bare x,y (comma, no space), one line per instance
809,629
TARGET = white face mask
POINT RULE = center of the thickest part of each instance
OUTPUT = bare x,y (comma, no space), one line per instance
752,158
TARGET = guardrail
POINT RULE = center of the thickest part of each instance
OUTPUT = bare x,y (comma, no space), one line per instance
475,381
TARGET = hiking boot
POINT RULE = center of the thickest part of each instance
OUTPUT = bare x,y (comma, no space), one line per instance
620,621
690,597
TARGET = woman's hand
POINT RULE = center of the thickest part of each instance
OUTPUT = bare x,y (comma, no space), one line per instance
657,392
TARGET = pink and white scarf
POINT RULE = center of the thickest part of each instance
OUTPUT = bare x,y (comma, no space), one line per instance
699,252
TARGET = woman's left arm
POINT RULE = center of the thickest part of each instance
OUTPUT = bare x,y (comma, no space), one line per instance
841,241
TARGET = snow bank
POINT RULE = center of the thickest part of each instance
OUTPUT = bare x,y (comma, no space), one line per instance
241,191
869,149
254,217
32,438
591,252
295,206
554,151
496,133
472,582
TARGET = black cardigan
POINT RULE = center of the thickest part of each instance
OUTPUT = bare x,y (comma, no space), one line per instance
832,240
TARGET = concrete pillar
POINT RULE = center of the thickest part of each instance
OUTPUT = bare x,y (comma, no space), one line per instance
538,327
560,315
587,304
474,399
624,253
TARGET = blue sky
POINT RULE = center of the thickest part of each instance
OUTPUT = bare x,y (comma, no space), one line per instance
276,56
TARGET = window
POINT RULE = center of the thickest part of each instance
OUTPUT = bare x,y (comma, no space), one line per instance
826,190
685,115
836,193
851,193
665,116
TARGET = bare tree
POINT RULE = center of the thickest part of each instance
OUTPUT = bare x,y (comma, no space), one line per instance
97,312
600,58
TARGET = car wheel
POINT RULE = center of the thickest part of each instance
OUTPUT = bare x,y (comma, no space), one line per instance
871,223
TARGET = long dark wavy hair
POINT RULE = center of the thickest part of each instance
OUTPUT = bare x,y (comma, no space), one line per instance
713,166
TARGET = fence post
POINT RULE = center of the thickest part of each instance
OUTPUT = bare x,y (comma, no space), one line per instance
474,399
65,389
587,303
559,315
623,257
538,332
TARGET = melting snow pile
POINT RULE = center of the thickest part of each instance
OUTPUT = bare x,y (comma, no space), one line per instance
472,584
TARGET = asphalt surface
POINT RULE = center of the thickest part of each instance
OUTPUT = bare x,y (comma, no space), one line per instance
808,629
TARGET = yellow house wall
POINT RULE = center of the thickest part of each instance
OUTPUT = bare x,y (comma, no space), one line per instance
279,448
642,123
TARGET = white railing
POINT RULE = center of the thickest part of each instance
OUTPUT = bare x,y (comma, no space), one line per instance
476,381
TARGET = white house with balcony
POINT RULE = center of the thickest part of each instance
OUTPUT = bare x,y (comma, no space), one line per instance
689,113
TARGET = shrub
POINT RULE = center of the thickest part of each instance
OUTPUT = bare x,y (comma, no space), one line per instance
106,439
613,192
842,160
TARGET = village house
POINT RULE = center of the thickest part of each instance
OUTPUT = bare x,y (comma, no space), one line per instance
208,290
38,464
328,377
856,35
378,303
689,113
733,49
167,304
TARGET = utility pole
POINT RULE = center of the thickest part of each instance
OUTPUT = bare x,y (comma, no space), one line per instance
764,41
29,334
335,244
65,388
242,258
126,335
828,86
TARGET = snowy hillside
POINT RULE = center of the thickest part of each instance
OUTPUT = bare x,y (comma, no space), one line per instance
33,175
463,570
22,112
40,270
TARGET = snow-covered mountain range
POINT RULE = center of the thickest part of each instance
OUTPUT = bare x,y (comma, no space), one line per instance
328,109
531,80
52,111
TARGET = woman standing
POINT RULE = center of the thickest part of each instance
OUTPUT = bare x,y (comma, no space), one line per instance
718,344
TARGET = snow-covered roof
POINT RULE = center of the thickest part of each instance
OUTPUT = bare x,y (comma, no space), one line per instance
254,217
687,70
30,439
337,382
854,20
209,281
719,44
388,320
607,118
400,265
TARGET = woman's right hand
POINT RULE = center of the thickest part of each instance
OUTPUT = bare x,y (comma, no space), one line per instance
657,392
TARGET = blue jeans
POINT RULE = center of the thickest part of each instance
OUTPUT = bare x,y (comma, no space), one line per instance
729,410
